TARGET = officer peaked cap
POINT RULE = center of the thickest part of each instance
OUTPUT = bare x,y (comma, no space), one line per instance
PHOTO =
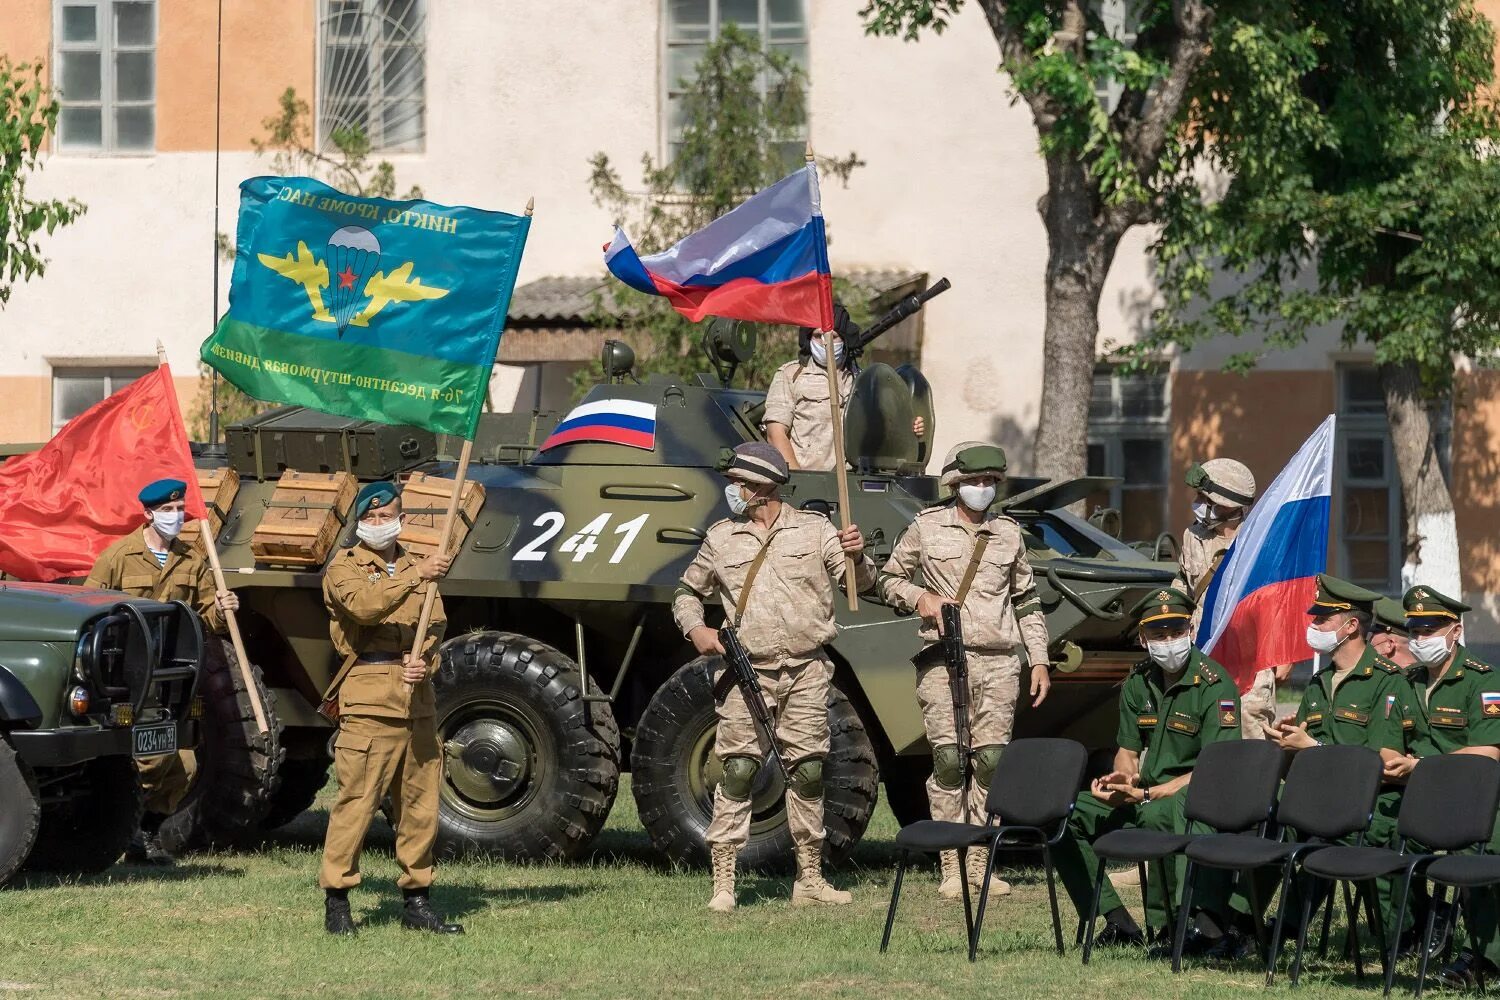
1425,606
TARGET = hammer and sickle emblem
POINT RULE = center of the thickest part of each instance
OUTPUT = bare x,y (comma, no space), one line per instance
140,417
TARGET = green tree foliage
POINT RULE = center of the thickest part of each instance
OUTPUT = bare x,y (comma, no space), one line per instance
28,114
743,112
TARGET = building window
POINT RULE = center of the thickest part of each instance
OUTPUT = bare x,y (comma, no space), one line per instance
1370,523
76,389
105,73
781,26
372,73
1129,432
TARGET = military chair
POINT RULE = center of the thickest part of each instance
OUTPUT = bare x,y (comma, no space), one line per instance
1329,794
1031,796
1233,791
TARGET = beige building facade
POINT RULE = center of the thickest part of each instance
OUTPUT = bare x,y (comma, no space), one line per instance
490,103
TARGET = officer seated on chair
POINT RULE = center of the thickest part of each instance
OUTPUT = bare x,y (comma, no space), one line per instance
1173,704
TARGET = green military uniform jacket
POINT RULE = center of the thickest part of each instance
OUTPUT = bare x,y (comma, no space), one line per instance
1461,710
1366,710
1172,724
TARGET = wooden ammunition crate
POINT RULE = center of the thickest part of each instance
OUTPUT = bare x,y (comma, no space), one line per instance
304,518
424,499
219,488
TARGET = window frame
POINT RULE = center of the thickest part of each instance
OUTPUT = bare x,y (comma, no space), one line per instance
1111,432
1357,425
80,368
666,88
374,13
109,50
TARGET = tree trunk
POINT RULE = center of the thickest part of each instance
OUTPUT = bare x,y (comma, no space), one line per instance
1430,549
1080,250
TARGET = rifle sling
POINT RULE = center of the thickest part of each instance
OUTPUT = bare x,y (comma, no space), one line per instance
760,557
1208,578
338,678
972,568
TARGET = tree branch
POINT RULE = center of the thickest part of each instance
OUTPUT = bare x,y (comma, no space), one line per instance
1015,54
1146,138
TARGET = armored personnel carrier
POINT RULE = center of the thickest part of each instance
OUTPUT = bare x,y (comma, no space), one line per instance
562,666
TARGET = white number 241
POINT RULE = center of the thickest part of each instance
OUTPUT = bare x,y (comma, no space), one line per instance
582,543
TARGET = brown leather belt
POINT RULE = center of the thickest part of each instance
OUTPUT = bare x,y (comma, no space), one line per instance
379,658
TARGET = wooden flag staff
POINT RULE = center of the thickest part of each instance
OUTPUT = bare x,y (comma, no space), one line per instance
840,476
445,533
252,692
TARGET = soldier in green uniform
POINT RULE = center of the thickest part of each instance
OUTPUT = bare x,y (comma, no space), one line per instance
1173,704
1455,708
1356,699
1389,636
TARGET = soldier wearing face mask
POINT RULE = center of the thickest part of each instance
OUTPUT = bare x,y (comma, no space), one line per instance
968,553
1173,704
798,420
1225,489
387,740
154,562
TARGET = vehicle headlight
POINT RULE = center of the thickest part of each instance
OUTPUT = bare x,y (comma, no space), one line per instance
78,671
123,714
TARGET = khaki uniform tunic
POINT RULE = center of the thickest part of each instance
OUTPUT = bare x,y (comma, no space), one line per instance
128,566
798,400
1000,614
387,740
1202,552
788,617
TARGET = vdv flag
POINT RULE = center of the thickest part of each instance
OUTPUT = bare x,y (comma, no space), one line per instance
766,261
1254,612
364,307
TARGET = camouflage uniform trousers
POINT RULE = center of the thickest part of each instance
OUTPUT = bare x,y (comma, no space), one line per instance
994,686
797,697
165,780
1258,706
374,756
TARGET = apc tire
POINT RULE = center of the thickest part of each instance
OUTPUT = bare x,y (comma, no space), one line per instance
673,774
90,828
530,769
301,779
238,768
20,811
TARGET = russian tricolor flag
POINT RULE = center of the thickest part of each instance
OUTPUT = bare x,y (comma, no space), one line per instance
1255,611
608,421
766,261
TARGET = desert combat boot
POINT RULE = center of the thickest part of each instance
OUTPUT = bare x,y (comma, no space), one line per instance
810,889
722,860
951,886
979,859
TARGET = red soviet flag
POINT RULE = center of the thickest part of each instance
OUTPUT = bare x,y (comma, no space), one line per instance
62,506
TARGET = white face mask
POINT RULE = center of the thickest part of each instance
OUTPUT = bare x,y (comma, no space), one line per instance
1431,649
736,500
168,524
1170,654
976,497
378,536
1324,642
820,353
1203,513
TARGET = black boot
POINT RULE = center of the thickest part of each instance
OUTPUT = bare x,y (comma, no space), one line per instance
1464,971
1120,931
419,915
152,852
336,916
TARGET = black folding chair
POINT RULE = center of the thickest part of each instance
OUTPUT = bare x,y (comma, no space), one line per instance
1233,791
1032,793
1329,794
1449,805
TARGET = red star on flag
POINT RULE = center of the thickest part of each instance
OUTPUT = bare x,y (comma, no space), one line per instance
346,278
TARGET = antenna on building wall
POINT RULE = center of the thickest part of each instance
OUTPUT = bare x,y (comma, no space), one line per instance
213,378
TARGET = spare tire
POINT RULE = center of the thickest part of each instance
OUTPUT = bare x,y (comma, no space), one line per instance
674,772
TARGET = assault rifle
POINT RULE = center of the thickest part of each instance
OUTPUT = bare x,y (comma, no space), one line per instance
958,687
741,673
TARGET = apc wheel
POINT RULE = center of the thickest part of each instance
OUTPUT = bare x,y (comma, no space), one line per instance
20,811
91,823
302,778
238,767
530,770
674,771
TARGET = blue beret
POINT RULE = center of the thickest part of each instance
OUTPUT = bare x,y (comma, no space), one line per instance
162,491
373,495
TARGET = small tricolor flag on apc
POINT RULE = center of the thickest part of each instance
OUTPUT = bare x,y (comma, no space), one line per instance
1254,614
608,421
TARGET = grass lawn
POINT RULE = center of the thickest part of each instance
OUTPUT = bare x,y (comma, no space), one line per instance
615,924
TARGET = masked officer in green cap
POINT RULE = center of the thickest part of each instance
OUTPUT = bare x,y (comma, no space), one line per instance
1355,699
968,553
1388,634
387,742
1455,709
1173,704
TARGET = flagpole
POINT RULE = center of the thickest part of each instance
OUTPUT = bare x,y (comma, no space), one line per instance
230,620
445,533
840,475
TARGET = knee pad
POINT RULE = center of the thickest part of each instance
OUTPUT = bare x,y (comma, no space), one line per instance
985,759
739,776
807,778
947,766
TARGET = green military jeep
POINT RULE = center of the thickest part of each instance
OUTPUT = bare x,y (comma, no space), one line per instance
89,680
